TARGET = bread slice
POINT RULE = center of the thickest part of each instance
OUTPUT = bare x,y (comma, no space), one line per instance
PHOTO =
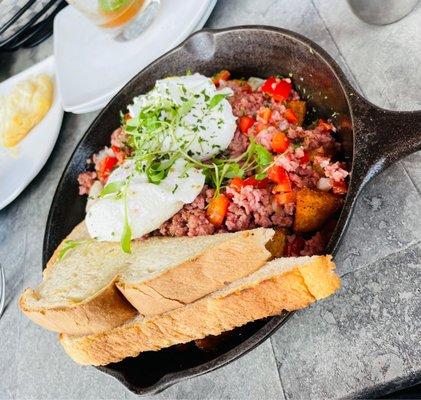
79,295
228,257
282,284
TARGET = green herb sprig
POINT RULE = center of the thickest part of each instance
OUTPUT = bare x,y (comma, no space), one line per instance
68,245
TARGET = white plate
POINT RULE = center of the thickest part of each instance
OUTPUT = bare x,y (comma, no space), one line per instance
92,67
19,166
101,103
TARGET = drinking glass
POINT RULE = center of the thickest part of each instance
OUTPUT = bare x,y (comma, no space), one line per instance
382,12
123,19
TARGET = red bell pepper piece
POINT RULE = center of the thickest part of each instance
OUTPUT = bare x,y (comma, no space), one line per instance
245,123
105,167
278,89
257,183
119,154
290,116
237,183
305,158
278,175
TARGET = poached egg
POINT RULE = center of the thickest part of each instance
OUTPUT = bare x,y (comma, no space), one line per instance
148,205
208,127
209,130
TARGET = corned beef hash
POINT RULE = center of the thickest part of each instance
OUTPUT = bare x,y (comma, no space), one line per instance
198,156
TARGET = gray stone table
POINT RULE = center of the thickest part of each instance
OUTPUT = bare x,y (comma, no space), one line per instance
365,340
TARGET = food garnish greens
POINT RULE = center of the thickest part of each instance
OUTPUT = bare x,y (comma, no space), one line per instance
196,158
156,147
68,245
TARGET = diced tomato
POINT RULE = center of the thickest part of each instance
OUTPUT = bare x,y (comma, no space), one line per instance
257,183
237,183
265,114
339,187
278,89
294,248
127,116
305,158
223,75
245,123
325,125
278,175
217,209
283,198
119,154
290,116
269,85
105,167
280,142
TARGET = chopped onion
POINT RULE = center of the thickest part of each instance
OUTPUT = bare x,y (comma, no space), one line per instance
324,184
255,83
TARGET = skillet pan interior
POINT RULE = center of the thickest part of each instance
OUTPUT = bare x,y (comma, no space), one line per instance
245,51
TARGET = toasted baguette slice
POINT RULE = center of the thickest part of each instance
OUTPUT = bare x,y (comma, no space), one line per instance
282,284
227,257
79,295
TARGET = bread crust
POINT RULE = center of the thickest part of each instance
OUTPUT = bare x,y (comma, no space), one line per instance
105,310
211,315
111,307
209,271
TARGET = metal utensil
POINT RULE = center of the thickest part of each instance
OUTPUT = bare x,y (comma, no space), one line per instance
2,289
26,23
382,12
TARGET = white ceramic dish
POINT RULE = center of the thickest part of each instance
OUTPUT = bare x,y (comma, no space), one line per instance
19,166
92,67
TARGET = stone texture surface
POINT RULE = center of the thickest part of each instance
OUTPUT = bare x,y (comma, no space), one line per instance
357,343
362,341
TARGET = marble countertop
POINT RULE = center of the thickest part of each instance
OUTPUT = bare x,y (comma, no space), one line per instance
363,341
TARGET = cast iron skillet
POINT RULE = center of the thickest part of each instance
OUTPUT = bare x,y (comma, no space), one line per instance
372,139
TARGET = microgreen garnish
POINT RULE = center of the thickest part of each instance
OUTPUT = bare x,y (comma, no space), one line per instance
113,188
219,170
126,236
156,144
215,100
68,245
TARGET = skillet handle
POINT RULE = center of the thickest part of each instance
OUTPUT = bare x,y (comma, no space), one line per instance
382,137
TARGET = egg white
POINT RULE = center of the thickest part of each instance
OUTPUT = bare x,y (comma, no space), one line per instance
148,205
215,126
